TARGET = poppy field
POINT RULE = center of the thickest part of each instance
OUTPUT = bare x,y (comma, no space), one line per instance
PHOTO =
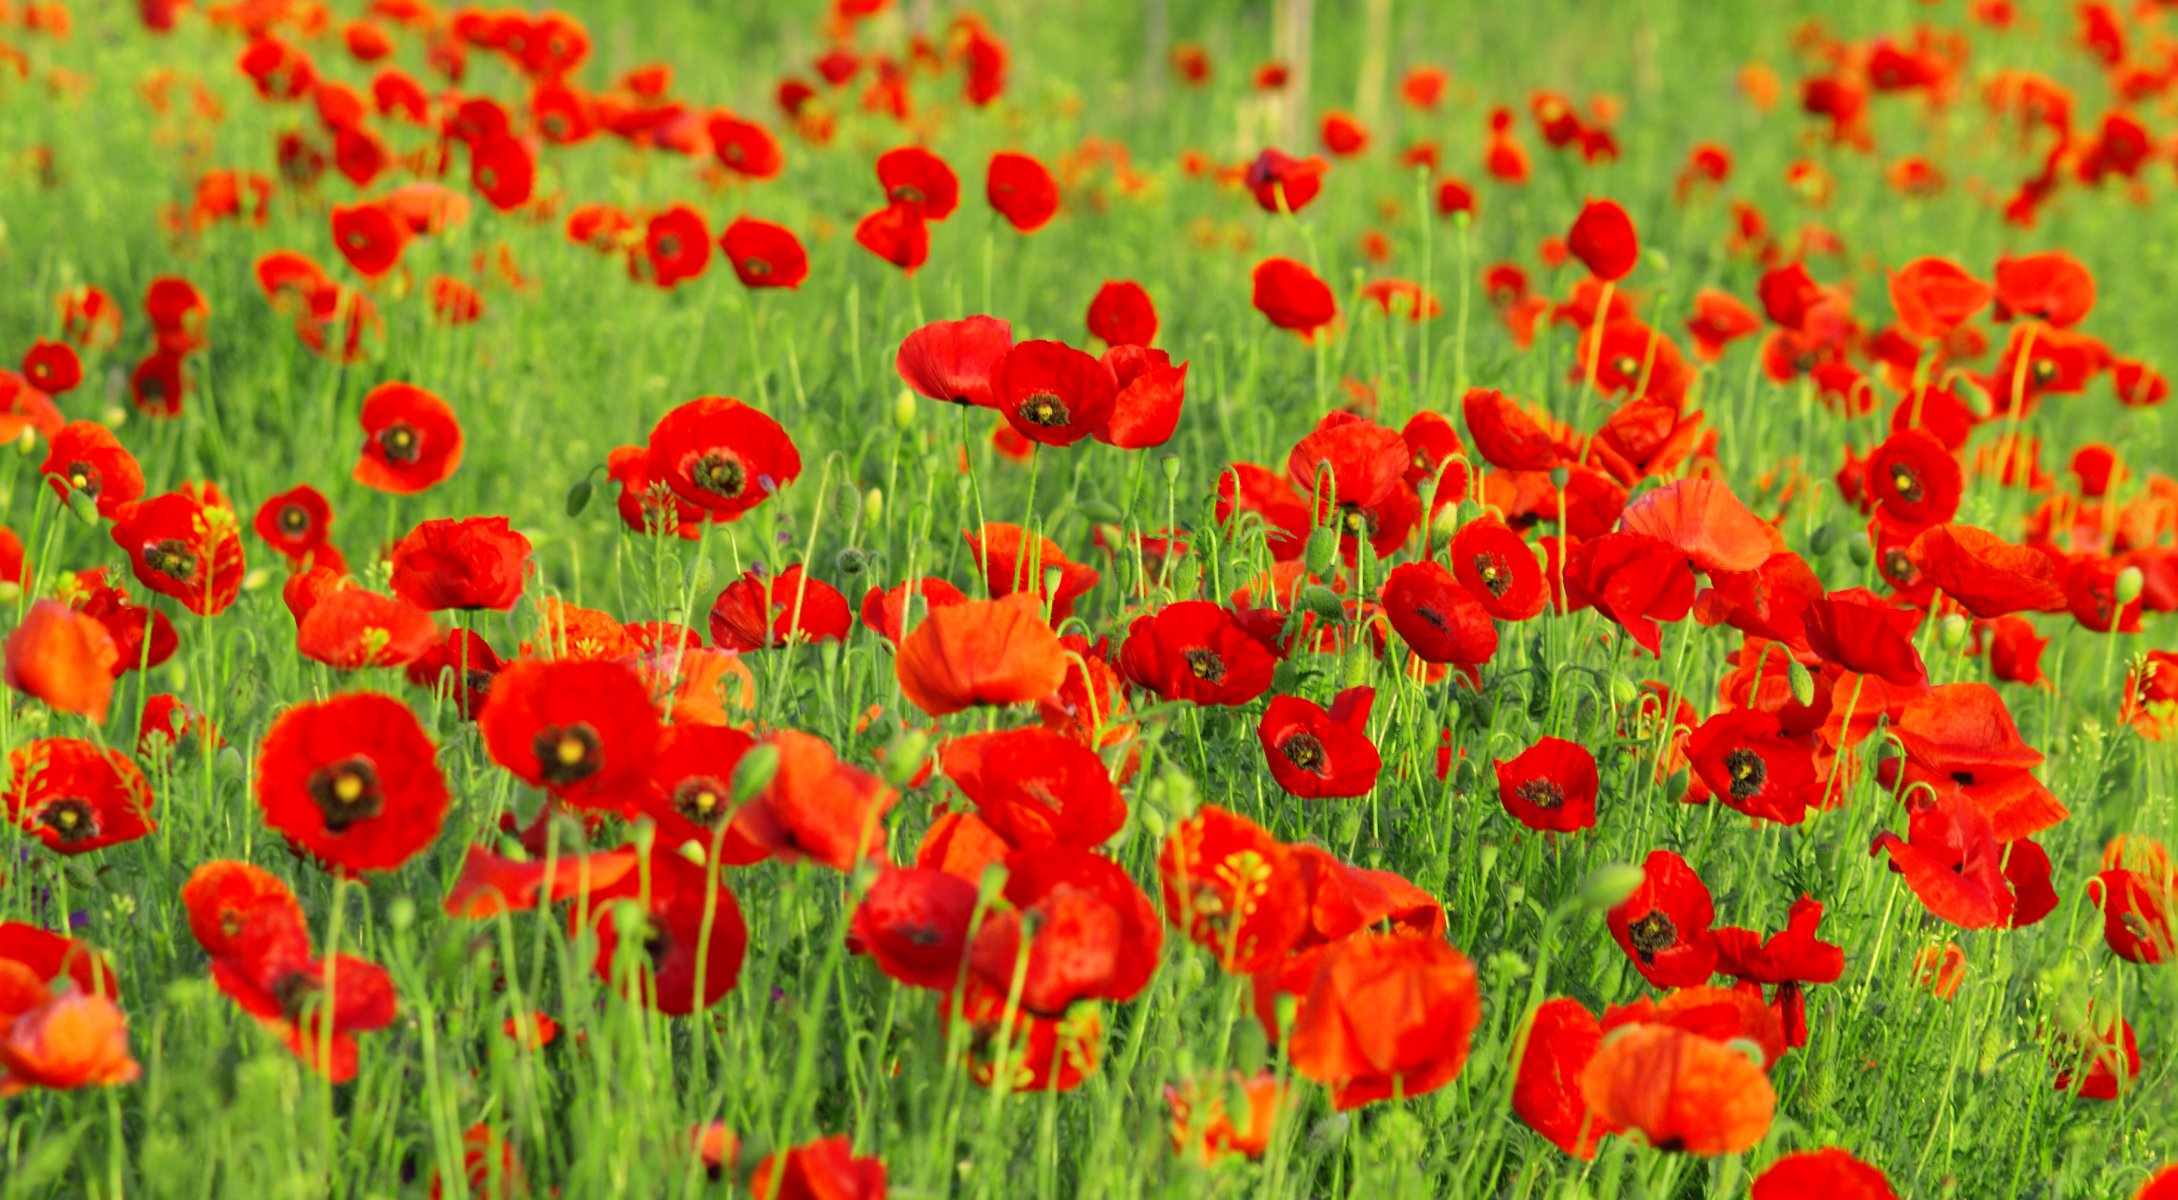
1184,598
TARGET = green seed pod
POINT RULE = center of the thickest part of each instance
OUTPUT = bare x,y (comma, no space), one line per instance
873,506
755,772
1322,555
850,562
1559,476
26,443
903,409
401,913
1803,683
1170,465
1323,602
1952,633
1101,512
2130,583
1820,541
578,496
1609,885
1860,549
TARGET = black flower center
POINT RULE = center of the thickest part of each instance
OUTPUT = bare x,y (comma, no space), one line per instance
1045,409
296,993
1542,793
568,753
1354,521
1748,772
907,193
755,266
1303,751
702,800
2044,370
669,246
347,792
400,442
1652,935
1494,575
293,520
1906,483
72,820
1206,664
1626,365
172,559
85,478
719,473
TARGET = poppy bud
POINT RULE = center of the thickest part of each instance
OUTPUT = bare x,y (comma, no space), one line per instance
1952,633
1322,602
1820,541
1187,577
992,888
629,922
26,442
1053,576
1860,549
904,757
1623,691
84,505
845,503
1323,550
2130,581
873,506
692,851
1153,824
850,561
1100,512
1803,684
754,772
1286,1007
1609,885
1180,800
1170,465
578,496
903,409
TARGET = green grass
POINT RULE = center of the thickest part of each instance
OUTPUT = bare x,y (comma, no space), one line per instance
1948,1098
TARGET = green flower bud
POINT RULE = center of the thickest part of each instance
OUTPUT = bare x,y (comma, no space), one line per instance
1860,549
2130,583
903,409
1952,633
1609,885
1322,556
1803,683
578,496
873,506
904,757
755,772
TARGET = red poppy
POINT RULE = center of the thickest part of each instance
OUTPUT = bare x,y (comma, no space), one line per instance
896,234
2098,1059
411,440
1914,478
352,628
1320,754
221,896
1562,1039
52,367
981,652
690,933
1550,786
955,361
1292,297
1635,580
1194,650
1603,239
179,546
913,923
504,171
891,614
1282,183
825,1169
1498,568
1090,933
1681,1090
1343,136
1860,633
722,455
1232,889
84,456
646,503
158,385
1122,315
1719,320
2051,286
1703,519
764,255
1021,189
369,237
2091,585
1751,761
1386,1016
352,782
1826,1174
1036,788
489,885
582,729
1204,1116
1052,393
1507,436
66,658
469,564
1986,575
1934,296
297,522
1439,619
816,807
1952,862
919,180
2136,914
1664,925
676,246
1146,407
743,147
460,667
1246,487
757,610
1960,739
316,1006
1010,562
76,797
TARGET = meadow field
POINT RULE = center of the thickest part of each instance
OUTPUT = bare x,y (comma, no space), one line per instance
1163,598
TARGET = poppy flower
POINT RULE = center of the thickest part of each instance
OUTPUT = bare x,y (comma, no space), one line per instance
1960,739
1282,183
1122,315
158,384
1751,762
1719,320
1509,437
1010,562
826,1168
913,923
2051,286
62,1042
1320,754
315,1005
1664,925
1914,478
1826,1174
490,884
1438,618
690,930
1988,576
1194,650
892,613
460,667
1603,239
52,367
1550,786
411,440
744,147
1292,297
352,781
1052,393
166,721
1934,296
816,807
1635,580
1386,1016
2097,1060
676,246
77,798
1352,465
1246,487
1146,406
65,658
756,611
1232,889
1206,1126
297,522
179,546
1498,568
764,255
1562,1038
955,361
647,504
1343,136
2136,914
1036,788
1952,862
352,628
896,234
980,652
582,729
1705,521
221,895
1866,636
2091,591
1021,190
369,236
84,456
1680,1090
722,455
1090,932
917,179
469,564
